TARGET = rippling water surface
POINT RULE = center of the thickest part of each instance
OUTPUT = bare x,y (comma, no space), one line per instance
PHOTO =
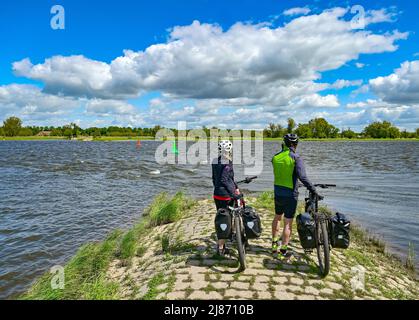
57,195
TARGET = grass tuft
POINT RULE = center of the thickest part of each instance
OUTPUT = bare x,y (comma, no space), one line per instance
141,250
363,237
85,273
176,245
410,261
165,210
165,243
265,200
152,292
128,246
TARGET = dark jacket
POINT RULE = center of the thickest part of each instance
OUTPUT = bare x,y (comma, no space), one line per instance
223,178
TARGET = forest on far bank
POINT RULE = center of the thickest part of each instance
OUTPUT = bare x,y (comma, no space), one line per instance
318,128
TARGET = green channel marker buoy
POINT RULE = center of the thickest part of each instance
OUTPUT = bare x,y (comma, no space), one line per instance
174,148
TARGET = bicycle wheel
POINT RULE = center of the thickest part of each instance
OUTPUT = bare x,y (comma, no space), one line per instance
240,244
323,249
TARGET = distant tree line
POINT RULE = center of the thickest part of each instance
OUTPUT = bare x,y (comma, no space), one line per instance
13,127
319,128
316,128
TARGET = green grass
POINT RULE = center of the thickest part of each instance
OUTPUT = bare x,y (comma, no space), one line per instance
364,238
411,256
85,273
128,246
359,139
104,138
172,245
165,210
152,292
165,243
122,138
280,139
265,200
125,138
141,250
359,257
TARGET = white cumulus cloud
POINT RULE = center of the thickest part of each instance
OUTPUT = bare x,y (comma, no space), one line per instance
71,76
317,101
29,99
247,64
297,11
381,15
401,87
340,84
109,107
241,77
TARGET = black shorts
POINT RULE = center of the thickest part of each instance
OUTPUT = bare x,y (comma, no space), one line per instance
223,204
286,206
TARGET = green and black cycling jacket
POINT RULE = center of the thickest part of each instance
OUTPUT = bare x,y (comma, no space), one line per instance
288,168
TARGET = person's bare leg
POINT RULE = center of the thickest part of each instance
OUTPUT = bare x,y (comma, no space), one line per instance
286,234
221,243
275,233
275,226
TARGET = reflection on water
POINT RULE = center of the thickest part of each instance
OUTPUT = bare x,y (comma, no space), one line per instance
57,195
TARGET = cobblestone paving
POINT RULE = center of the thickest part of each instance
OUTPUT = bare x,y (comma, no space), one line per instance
191,271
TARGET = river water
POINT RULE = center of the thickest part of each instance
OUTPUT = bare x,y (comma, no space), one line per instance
57,195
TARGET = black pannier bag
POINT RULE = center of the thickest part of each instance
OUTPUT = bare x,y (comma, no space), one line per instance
252,224
339,234
306,231
223,224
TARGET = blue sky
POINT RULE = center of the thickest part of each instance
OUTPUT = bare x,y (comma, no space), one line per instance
226,63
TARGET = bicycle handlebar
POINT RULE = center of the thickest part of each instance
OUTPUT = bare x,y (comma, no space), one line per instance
325,186
247,180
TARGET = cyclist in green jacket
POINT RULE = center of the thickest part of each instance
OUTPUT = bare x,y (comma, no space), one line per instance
288,168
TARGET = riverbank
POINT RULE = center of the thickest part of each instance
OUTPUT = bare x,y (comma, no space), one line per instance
80,138
32,138
107,139
169,254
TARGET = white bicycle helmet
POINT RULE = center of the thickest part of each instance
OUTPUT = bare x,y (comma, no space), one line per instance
225,147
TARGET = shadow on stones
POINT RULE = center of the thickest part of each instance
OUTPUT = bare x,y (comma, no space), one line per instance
204,255
297,262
